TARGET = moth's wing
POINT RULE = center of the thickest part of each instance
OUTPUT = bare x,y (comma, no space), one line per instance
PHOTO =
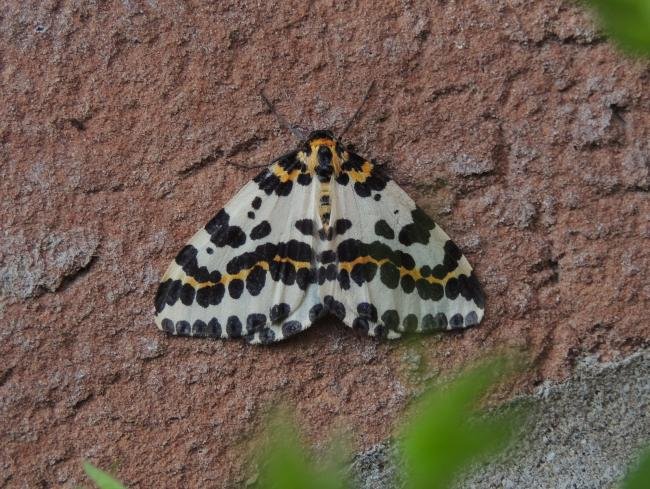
248,272
397,270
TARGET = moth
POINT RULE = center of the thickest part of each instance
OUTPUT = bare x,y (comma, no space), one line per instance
320,231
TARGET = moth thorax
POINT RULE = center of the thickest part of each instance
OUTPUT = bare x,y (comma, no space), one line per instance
324,168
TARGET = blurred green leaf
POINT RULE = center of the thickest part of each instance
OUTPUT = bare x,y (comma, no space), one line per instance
447,433
627,22
101,478
639,478
285,464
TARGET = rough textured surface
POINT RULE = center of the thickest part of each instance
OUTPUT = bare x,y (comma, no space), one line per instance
30,267
583,433
514,124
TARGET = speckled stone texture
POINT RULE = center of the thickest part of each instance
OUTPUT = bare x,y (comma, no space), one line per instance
514,124
585,433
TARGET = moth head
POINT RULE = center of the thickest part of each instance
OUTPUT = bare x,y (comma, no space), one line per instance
321,134
325,152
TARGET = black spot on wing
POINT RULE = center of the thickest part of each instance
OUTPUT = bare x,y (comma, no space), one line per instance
279,257
290,328
257,203
162,294
471,319
418,231
219,221
199,328
222,234
187,294
452,253
167,326
285,271
304,277
255,322
342,225
410,323
342,179
269,183
429,291
183,328
383,229
170,291
279,312
328,273
296,250
334,307
235,288
284,188
390,319
433,323
305,226
262,230
214,328
187,260
304,179
362,189
282,271
405,260
344,279
354,162
456,321
470,289
389,275
328,256
412,233
317,311
233,327
368,311
255,281
288,162
363,272
408,284
350,249
211,295
475,291
376,181
452,288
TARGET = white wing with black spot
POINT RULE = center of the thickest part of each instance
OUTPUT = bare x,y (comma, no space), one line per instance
397,270
248,272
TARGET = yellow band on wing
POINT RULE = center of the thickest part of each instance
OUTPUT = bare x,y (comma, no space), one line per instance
414,273
178,273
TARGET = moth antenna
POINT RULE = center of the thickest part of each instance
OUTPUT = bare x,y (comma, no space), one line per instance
356,114
265,165
281,120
